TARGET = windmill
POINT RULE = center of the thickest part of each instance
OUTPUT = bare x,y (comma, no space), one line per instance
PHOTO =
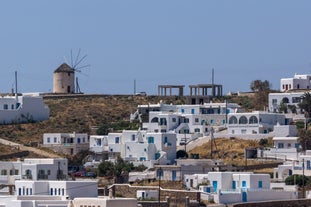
76,63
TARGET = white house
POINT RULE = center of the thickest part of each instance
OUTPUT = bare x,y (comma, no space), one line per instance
283,171
33,169
68,189
235,187
256,122
66,201
299,166
98,143
193,181
147,194
297,82
33,201
24,108
137,146
285,148
289,99
52,190
187,121
66,143
185,167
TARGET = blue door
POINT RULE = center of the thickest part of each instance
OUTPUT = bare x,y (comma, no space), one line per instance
260,184
173,175
233,185
215,186
244,196
308,165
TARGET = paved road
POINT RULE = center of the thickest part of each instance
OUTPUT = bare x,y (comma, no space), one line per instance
32,149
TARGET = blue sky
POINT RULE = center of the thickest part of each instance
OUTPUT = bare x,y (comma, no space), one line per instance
154,42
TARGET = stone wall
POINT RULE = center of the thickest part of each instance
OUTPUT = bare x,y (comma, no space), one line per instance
287,203
175,196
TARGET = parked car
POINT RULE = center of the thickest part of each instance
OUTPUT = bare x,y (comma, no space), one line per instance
91,174
79,174
141,93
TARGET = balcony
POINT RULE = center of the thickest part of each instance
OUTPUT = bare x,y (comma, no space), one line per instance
42,177
27,177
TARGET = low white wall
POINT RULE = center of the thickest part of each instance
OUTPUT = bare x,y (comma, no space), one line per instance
232,197
254,195
270,195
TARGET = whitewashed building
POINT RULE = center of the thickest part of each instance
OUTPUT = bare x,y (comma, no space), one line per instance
285,148
33,201
285,144
185,167
256,122
65,188
137,146
187,121
33,169
38,189
235,187
193,181
66,143
297,82
23,109
300,166
290,100
98,143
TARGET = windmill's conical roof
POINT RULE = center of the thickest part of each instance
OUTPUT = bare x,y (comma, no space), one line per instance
64,68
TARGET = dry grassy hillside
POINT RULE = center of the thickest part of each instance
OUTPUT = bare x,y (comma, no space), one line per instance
82,113
231,151
79,114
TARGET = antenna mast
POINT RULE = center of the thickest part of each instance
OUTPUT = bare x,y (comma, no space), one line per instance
16,85
213,87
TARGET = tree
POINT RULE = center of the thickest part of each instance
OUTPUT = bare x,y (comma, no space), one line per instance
293,108
305,139
115,126
106,168
259,86
117,169
263,142
181,154
305,105
297,179
283,108
261,90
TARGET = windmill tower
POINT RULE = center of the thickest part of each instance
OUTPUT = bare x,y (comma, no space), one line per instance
64,80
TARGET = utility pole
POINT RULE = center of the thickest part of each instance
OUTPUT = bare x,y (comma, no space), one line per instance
160,171
185,145
212,138
303,178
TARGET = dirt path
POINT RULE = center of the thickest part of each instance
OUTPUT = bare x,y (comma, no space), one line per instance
32,149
